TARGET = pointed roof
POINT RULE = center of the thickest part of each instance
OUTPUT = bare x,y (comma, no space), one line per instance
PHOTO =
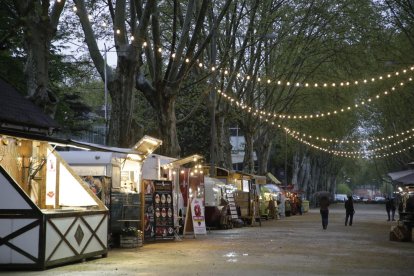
17,112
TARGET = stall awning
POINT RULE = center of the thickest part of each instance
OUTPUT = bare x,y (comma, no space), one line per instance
179,162
140,151
273,178
147,145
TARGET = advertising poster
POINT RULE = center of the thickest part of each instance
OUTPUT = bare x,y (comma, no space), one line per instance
163,209
149,222
197,213
51,180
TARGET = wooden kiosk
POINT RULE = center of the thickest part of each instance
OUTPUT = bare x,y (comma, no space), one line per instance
48,216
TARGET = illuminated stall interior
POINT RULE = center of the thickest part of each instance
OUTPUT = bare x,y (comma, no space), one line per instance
115,176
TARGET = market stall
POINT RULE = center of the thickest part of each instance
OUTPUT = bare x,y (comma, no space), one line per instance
176,180
48,215
114,175
243,192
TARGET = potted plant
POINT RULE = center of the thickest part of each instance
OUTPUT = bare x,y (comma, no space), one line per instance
131,237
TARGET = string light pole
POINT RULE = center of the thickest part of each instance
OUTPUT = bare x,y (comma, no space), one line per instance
106,96
213,56
286,179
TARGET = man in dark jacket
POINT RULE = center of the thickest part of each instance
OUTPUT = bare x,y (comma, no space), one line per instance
388,207
324,210
349,211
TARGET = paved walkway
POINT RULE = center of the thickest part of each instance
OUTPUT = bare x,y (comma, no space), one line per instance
295,245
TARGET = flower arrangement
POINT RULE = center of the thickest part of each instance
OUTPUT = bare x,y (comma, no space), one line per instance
131,231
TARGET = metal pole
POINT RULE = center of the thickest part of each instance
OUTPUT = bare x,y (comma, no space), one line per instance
286,179
106,99
213,106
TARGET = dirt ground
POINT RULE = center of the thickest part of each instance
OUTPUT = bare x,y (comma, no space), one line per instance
295,245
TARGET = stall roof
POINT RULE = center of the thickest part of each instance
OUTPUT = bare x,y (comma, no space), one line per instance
17,112
87,146
396,175
404,177
273,178
88,157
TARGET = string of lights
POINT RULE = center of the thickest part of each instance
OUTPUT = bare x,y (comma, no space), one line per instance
360,141
373,153
270,80
269,116
316,115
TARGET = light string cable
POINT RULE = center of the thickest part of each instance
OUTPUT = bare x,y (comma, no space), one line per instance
273,115
351,141
270,80
375,153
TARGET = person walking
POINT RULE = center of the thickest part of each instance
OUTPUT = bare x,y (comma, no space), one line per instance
299,204
393,208
388,207
349,211
324,210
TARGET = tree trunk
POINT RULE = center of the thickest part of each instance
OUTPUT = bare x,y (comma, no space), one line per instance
38,33
223,147
248,162
263,146
121,89
168,127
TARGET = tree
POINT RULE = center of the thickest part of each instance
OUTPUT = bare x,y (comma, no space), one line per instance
39,23
141,63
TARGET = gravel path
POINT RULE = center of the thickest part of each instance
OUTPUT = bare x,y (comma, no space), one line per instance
295,245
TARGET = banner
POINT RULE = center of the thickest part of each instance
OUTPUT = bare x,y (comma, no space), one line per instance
197,213
51,179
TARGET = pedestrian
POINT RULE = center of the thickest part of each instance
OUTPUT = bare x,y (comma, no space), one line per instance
272,208
393,207
299,204
324,210
388,207
349,211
